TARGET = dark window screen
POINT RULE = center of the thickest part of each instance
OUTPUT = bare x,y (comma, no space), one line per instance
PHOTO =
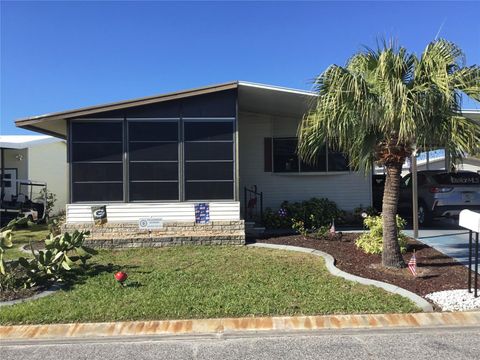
284,157
208,131
97,172
209,190
153,160
97,151
149,191
208,150
97,160
96,131
153,131
153,151
98,191
153,171
337,161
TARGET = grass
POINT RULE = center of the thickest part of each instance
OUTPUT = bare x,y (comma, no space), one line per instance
34,232
204,282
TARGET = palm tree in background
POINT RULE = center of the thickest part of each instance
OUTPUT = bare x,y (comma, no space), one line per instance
384,104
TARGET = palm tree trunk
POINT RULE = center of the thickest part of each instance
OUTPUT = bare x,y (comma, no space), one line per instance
391,255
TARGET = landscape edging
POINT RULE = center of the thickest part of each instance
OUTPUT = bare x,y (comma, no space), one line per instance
330,264
52,289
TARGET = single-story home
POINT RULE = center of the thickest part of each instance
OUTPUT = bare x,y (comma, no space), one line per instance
38,158
158,156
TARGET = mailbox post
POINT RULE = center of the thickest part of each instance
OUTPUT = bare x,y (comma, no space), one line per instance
470,220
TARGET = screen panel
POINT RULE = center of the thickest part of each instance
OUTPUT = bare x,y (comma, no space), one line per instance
96,131
337,161
153,171
209,158
208,131
97,172
147,191
98,191
153,153
208,150
153,131
96,160
212,190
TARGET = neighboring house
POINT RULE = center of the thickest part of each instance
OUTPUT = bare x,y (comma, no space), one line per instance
159,155
39,158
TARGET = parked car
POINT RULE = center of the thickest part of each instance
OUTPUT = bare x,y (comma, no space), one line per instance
440,194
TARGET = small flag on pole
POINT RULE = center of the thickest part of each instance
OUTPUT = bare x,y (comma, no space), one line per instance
332,228
412,264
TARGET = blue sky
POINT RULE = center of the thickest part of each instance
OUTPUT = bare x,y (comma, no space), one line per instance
63,55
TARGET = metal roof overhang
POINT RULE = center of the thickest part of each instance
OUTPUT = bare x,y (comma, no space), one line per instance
252,98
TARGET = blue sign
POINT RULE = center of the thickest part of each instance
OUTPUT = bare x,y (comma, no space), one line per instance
202,213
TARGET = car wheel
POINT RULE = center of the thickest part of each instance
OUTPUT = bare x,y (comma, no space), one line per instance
424,214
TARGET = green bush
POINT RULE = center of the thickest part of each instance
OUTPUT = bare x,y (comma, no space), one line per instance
314,213
372,241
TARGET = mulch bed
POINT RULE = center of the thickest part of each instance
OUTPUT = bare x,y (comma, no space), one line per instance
436,271
18,292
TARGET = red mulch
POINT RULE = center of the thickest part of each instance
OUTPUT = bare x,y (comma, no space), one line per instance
436,271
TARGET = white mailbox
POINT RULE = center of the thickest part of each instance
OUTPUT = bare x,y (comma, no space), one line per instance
470,220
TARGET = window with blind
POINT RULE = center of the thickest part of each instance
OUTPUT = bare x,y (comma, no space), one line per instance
285,158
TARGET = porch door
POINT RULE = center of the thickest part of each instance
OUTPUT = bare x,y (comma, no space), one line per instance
10,181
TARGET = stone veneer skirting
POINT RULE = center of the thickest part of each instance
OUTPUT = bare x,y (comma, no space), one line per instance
128,235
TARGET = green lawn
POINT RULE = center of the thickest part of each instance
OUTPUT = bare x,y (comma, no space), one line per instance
204,282
35,232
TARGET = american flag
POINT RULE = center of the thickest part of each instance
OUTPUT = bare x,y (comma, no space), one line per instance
412,264
332,228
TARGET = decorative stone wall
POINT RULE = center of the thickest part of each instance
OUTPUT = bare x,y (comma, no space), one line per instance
128,235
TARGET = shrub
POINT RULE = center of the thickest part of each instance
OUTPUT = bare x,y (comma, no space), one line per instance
371,242
314,214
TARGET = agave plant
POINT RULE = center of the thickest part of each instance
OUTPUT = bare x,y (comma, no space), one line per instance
61,253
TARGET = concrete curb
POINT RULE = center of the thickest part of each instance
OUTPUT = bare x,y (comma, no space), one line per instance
330,263
237,325
52,289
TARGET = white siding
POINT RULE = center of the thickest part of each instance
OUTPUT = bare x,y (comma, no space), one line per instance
131,212
347,189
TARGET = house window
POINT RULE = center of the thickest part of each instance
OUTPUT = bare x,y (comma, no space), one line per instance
153,160
209,154
97,161
285,158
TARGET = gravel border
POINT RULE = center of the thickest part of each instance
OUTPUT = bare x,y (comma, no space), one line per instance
52,289
330,264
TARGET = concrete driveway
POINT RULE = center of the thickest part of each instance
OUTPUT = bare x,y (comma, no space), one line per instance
447,237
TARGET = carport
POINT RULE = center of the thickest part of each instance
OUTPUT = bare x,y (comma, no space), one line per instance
448,238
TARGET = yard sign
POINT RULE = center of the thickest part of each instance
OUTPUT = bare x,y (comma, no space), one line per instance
202,213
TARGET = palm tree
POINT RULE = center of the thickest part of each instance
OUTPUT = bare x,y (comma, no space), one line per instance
384,104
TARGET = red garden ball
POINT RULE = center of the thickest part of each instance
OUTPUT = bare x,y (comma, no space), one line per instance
121,276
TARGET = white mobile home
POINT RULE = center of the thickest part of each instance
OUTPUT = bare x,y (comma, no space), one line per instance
160,155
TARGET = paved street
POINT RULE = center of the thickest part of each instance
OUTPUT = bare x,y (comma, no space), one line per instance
439,343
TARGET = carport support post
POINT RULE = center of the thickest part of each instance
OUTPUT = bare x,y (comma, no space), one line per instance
2,174
470,261
476,264
414,194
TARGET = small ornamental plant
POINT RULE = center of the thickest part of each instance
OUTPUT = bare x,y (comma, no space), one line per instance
371,242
